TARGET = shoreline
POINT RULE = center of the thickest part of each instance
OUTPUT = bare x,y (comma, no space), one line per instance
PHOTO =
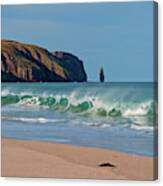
28,158
82,146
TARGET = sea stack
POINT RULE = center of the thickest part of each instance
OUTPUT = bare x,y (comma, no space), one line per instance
101,75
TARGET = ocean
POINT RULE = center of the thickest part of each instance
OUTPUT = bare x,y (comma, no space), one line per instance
116,116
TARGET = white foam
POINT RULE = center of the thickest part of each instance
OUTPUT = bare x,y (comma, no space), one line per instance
33,120
139,127
5,92
138,110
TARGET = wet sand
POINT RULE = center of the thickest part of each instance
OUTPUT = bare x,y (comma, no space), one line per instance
24,158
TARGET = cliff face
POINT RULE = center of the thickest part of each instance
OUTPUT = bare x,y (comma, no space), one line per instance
29,63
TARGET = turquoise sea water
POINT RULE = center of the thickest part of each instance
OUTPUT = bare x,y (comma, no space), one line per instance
118,116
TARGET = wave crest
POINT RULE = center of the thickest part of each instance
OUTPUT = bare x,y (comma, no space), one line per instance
87,104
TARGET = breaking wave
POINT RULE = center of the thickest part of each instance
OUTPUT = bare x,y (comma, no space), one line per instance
89,105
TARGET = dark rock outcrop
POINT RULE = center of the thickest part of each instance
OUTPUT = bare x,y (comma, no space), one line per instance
30,63
101,75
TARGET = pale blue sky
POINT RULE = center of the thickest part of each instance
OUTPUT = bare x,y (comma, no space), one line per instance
117,36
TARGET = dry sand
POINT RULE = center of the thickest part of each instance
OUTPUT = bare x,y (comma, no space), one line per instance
22,158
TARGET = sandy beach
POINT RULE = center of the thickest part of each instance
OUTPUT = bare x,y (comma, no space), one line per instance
21,158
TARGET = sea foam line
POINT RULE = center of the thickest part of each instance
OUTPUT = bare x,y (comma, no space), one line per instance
33,120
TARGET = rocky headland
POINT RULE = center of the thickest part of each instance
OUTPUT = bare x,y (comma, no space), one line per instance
30,63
